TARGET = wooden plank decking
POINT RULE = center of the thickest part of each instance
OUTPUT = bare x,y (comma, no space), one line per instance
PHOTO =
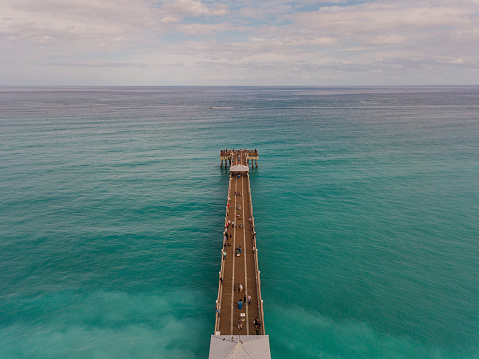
243,269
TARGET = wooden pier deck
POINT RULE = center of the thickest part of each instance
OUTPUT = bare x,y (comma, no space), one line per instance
239,276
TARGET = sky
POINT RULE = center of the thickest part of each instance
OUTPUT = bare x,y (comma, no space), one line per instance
240,42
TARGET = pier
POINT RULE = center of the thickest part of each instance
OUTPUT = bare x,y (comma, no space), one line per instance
228,157
239,324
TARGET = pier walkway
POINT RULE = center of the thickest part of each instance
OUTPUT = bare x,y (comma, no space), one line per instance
239,317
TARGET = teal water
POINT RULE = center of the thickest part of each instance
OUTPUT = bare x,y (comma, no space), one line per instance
365,199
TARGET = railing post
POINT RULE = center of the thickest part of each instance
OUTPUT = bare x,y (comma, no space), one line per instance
262,316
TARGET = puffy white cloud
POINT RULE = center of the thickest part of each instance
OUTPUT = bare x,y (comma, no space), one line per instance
369,21
175,11
280,39
57,21
104,20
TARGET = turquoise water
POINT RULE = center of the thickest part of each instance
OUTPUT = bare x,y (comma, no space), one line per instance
366,206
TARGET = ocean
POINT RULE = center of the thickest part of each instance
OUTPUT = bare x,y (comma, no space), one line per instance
365,200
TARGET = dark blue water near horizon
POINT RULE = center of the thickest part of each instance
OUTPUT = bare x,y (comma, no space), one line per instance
365,202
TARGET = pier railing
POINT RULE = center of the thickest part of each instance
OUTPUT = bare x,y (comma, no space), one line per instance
222,271
258,280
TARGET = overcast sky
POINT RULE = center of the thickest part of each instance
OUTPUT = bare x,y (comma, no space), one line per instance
240,42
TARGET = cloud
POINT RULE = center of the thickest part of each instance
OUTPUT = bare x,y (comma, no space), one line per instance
52,21
308,36
176,11
377,23
56,21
